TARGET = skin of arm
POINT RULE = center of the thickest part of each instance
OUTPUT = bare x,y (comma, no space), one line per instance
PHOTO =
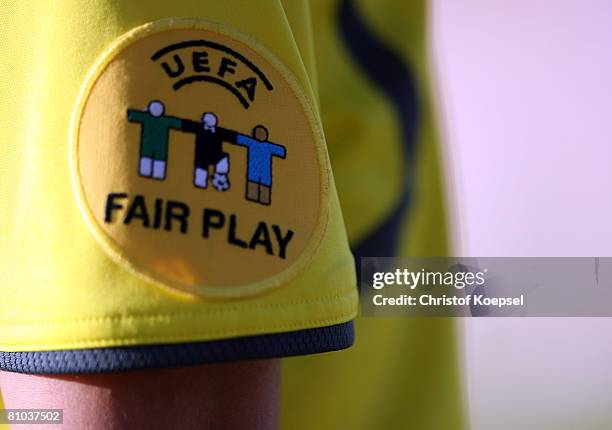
218,396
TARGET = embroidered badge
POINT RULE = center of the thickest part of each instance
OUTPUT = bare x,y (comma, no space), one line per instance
198,160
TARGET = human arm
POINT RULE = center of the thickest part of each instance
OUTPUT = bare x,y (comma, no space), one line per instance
226,395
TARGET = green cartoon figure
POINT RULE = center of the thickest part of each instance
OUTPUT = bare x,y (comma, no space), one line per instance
154,138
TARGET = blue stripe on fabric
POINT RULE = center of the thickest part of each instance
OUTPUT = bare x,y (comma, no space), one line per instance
99,360
391,75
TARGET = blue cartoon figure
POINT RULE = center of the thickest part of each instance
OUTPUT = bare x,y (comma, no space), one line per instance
259,164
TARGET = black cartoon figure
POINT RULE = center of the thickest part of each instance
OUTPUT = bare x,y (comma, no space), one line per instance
209,151
259,164
154,138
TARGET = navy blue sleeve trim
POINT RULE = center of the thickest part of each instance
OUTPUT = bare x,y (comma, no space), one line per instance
99,360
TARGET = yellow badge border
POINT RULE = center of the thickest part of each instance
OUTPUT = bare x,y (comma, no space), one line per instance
108,243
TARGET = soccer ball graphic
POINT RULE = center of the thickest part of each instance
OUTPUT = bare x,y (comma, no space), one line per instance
220,182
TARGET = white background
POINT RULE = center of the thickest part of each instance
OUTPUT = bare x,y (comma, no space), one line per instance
526,91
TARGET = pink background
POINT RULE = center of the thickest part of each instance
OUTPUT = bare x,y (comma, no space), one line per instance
525,90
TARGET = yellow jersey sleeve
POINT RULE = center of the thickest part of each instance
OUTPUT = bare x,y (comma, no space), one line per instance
382,134
167,193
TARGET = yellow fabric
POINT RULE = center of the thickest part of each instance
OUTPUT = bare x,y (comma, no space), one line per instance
3,426
59,288
402,373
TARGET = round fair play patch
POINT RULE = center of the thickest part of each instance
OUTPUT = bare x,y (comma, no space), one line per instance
199,162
